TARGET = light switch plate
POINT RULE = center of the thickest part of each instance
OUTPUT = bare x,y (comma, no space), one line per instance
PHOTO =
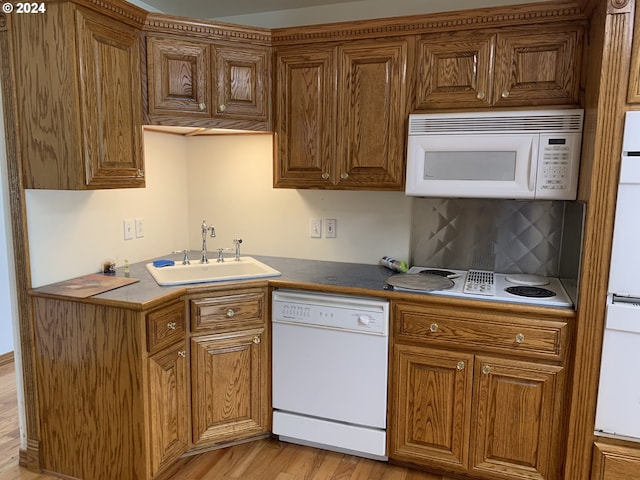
128,228
315,228
139,227
330,228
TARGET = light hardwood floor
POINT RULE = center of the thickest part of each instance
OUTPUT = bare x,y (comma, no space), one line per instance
261,460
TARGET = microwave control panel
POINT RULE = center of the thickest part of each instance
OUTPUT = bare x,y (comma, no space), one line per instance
557,166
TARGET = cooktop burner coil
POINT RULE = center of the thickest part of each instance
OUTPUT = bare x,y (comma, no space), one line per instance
528,291
440,273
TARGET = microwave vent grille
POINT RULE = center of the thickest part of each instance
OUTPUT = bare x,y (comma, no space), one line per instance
497,122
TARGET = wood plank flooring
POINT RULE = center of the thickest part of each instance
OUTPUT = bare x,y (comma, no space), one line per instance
261,460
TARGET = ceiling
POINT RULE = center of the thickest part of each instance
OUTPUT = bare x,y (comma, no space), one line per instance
350,9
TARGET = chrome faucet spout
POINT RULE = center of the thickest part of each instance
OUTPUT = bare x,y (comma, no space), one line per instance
206,228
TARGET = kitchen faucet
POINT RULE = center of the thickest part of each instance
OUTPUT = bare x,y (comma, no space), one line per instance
206,228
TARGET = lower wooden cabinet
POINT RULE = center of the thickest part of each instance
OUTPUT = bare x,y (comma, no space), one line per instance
229,366
460,406
228,387
168,406
616,461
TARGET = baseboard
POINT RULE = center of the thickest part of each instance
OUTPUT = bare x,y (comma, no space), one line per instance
6,359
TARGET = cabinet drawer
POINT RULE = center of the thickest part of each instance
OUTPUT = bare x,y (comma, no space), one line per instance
481,331
226,312
165,326
615,462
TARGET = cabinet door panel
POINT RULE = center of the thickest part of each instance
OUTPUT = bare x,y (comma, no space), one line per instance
455,70
432,407
228,387
169,406
539,68
305,112
516,419
111,104
371,117
179,77
242,83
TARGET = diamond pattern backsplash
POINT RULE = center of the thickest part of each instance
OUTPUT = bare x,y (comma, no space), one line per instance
506,236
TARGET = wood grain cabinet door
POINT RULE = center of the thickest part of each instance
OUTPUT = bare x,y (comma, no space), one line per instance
516,428
179,77
110,101
538,67
242,83
305,111
455,70
372,114
229,391
431,396
169,406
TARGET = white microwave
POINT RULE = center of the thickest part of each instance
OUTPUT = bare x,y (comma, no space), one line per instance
508,154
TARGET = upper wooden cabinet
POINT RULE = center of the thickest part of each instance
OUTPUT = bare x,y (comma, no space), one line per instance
205,84
340,115
79,99
526,66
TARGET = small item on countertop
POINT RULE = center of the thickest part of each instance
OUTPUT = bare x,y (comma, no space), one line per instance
109,267
126,268
163,263
393,264
419,282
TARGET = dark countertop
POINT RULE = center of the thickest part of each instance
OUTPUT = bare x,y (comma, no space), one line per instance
318,275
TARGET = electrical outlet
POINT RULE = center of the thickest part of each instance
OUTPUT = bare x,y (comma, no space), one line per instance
330,225
128,228
139,227
315,228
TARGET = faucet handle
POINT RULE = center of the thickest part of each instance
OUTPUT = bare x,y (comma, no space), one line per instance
185,258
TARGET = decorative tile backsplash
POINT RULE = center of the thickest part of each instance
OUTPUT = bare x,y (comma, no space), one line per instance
506,236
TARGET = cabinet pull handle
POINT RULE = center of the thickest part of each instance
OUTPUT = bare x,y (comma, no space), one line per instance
222,107
344,175
230,313
460,365
486,369
202,106
140,174
172,325
520,338
480,96
433,327
256,340
505,94
182,354
325,176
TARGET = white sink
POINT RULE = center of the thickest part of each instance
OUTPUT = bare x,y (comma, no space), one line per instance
231,269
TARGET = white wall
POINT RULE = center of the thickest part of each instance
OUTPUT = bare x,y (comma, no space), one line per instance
72,232
230,185
226,180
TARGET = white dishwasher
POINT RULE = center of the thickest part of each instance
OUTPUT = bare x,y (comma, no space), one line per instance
330,371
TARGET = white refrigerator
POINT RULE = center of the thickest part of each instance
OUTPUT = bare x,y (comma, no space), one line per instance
618,410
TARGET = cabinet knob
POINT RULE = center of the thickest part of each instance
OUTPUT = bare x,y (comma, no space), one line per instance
433,327
140,173
520,338
230,313
486,369
505,94
182,354
172,325
222,108
460,365
256,340
344,175
480,96
325,176
202,106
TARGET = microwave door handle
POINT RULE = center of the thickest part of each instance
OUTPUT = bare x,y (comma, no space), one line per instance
533,164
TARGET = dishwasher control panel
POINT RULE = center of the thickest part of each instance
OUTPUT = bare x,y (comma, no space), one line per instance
360,314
